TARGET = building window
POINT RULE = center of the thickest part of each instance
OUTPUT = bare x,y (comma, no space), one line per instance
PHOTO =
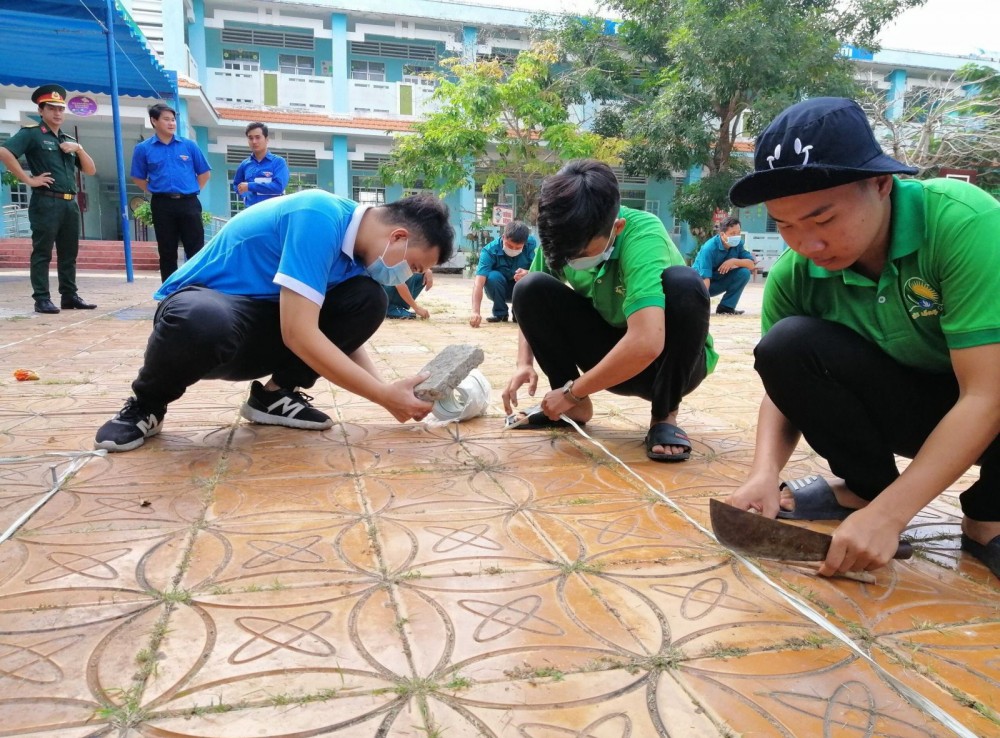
675,226
292,64
298,181
771,226
414,75
370,71
652,206
367,191
20,194
238,60
635,199
235,200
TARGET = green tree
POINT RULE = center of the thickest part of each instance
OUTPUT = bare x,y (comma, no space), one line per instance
683,80
508,118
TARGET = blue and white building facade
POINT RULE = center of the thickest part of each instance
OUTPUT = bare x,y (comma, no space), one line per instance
334,80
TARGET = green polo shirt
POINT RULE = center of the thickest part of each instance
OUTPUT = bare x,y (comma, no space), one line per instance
632,278
40,147
939,290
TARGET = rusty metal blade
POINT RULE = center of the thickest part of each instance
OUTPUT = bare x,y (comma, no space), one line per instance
756,535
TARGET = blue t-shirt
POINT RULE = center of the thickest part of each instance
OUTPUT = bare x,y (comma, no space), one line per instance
714,252
493,259
265,178
304,242
169,168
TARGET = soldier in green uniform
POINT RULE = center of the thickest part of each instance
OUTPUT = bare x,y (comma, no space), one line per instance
53,157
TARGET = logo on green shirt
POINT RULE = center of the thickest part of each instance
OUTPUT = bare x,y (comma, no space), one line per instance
924,299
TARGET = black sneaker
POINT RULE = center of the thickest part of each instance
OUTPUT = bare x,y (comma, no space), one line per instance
130,428
723,310
283,407
497,319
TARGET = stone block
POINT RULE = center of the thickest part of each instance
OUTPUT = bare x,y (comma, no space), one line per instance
448,369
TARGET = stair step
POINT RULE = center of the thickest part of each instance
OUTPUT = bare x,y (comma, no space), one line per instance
15,253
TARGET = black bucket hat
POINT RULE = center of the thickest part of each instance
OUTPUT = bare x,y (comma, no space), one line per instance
814,145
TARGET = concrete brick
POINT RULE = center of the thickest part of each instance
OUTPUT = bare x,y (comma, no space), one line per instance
448,369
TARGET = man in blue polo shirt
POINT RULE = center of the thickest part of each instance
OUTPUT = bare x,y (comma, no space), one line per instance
290,289
725,264
262,175
173,170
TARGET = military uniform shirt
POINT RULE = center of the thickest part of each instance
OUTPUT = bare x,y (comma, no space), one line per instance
632,279
939,289
39,145
169,168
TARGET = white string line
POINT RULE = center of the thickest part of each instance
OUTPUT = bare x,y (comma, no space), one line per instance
79,459
914,697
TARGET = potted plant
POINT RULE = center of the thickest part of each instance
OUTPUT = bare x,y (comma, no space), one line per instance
144,214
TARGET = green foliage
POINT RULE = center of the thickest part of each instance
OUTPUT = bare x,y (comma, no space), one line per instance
509,119
680,75
8,180
144,214
696,203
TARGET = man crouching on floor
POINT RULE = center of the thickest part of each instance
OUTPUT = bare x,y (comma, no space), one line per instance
291,289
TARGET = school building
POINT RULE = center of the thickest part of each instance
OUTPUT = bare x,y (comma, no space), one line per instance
334,80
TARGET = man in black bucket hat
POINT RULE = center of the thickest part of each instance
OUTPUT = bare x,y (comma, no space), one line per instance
881,337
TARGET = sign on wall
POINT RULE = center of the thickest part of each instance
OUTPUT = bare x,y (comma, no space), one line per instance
81,105
502,215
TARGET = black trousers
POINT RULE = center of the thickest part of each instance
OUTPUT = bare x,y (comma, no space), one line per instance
566,333
857,406
176,221
199,333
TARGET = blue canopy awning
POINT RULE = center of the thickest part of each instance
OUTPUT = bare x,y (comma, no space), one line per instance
85,46
64,41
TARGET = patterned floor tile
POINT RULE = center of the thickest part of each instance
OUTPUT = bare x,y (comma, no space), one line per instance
377,579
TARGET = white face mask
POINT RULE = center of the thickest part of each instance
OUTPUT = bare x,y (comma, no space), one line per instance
390,276
734,240
589,262
512,252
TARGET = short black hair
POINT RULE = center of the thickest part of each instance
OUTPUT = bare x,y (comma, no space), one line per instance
426,216
261,126
728,223
517,232
575,205
155,111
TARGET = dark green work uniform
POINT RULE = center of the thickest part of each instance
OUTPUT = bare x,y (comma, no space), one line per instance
53,213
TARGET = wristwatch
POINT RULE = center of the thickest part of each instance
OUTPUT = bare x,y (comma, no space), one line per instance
568,391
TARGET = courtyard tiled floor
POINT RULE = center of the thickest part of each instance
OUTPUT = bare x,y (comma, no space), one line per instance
380,579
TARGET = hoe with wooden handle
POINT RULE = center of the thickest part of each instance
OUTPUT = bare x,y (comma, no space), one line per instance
760,536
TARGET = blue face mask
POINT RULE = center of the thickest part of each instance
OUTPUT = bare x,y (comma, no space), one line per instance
390,276
589,262
732,241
